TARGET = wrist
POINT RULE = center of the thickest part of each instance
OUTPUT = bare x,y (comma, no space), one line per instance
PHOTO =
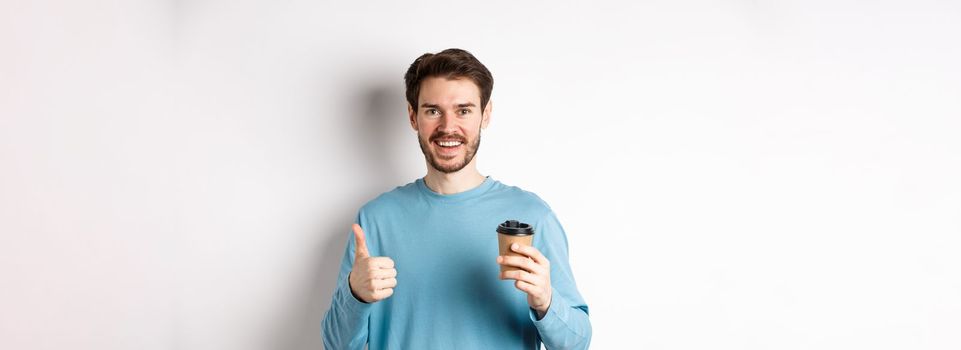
542,310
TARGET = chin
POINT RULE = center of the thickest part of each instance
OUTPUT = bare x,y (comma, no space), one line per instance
450,167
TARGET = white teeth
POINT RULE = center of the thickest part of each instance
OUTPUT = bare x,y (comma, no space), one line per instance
449,143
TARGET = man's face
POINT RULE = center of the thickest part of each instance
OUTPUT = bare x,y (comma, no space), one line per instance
448,120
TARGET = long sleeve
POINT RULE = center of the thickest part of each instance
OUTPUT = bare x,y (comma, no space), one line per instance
566,324
345,325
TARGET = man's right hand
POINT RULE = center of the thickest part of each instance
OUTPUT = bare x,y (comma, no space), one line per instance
372,278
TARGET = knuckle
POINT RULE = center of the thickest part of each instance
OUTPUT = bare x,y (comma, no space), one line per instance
385,262
530,276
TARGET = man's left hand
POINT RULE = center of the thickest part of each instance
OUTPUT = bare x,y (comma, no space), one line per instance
533,278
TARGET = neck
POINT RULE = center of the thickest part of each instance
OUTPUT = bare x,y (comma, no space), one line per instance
456,182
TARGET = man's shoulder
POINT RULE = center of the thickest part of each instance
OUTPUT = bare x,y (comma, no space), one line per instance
399,196
522,198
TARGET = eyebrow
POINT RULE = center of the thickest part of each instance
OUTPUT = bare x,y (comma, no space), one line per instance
459,105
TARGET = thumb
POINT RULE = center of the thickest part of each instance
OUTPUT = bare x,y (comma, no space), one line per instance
360,248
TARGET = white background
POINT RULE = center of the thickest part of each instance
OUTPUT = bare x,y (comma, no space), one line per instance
731,174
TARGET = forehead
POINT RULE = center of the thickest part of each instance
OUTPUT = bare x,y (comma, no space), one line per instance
443,91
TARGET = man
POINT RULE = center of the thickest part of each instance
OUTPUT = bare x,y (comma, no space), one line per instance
422,271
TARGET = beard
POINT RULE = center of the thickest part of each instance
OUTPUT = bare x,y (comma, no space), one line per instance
454,167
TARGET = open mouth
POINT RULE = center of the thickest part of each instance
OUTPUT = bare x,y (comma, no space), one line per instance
448,147
448,143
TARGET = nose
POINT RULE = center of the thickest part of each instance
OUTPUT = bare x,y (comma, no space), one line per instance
447,123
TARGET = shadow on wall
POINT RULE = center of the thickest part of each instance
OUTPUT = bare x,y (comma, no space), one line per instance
370,138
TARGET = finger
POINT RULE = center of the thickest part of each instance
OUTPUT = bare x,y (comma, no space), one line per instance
360,243
522,276
531,252
521,262
385,284
382,262
381,274
383,293
527,287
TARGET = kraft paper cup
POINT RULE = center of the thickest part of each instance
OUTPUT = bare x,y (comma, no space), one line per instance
510,232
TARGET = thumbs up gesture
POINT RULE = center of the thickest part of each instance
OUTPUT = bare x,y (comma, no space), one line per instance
372,278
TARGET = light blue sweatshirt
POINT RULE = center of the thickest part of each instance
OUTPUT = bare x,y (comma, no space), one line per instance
448,294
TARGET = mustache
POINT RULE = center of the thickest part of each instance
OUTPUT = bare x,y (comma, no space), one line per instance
447,136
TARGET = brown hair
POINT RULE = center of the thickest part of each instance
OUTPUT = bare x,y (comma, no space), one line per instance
450,64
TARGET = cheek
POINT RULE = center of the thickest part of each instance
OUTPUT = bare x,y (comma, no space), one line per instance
424,135
425,127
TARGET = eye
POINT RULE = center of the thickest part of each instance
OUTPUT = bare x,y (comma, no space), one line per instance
431,111
464,111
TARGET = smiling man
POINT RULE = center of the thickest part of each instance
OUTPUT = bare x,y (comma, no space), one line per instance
422,271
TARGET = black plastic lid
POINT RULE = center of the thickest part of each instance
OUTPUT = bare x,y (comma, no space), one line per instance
515,228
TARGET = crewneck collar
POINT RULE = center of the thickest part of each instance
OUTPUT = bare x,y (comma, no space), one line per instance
459,196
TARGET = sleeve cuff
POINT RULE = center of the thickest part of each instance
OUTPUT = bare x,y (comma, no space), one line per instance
347,299
555,316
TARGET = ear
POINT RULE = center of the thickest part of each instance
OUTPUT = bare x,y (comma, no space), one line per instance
412,114
487,114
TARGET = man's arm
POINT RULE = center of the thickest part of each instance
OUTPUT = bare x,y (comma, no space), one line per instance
566,324
556,307
345,324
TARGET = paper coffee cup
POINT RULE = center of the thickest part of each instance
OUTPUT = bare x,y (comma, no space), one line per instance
510,232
